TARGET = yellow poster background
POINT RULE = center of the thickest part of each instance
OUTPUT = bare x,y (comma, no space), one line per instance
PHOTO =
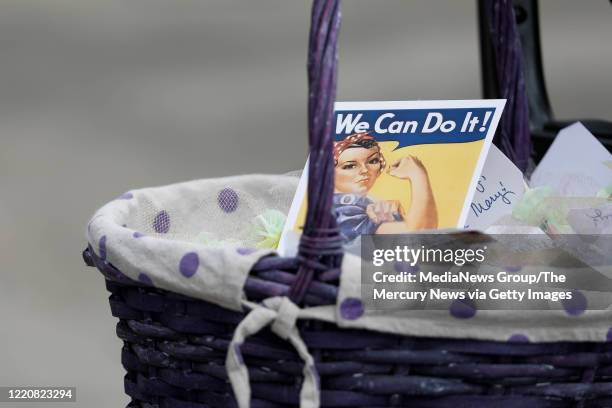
450,167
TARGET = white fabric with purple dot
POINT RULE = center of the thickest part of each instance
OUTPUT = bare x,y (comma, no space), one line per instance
571,322
193,238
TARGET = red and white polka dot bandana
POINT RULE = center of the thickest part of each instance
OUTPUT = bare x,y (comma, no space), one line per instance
353,139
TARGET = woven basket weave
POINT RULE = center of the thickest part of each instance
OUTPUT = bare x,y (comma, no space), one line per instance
175,347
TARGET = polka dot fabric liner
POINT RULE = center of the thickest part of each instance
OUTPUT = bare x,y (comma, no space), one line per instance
195,239
463,319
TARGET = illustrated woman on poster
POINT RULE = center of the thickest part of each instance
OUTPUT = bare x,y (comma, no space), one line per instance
358,164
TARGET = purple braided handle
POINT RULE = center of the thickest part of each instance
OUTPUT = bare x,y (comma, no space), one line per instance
320,244
515,138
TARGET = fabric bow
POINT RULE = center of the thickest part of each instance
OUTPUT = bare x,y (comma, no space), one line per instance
282,314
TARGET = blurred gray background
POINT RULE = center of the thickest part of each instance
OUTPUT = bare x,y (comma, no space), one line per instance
100,97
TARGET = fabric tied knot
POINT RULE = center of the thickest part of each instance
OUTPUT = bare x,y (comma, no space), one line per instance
281,314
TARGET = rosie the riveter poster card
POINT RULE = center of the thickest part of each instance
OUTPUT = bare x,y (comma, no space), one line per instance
402,167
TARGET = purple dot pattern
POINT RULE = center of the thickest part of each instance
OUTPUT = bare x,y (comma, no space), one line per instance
228,200
351,308
161,223
102,247
609,335
126,196
144,278
462,309
576,305
189,264
245,251
239,353
137,234
518,338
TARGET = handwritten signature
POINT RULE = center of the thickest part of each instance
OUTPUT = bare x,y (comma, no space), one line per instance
502,194
599,217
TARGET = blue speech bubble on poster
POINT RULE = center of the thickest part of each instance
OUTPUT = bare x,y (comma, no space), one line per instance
416,126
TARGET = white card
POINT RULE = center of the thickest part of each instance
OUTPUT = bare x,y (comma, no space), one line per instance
401,167
575,165
596,220
499,187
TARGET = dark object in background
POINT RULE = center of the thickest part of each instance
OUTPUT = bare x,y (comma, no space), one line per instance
513,135
544,126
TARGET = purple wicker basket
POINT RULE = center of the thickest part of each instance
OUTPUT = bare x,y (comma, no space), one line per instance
175,347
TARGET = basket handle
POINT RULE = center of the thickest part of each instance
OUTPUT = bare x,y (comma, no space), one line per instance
320,246
514,135
320,243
